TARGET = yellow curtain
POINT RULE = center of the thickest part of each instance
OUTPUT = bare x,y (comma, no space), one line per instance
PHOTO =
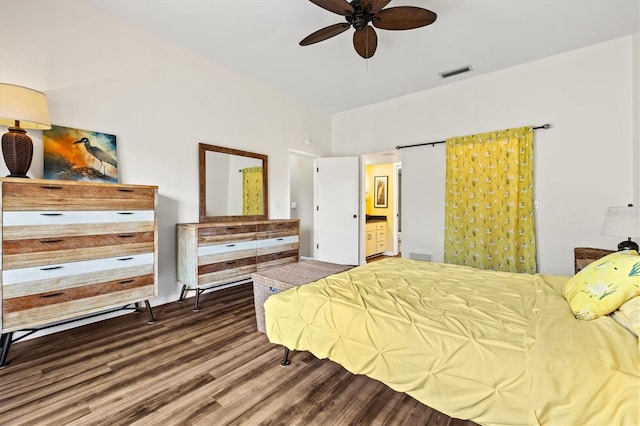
252,191
489,221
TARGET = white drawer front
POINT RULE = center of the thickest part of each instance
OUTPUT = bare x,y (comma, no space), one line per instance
71,217
226,247
277,241
16,276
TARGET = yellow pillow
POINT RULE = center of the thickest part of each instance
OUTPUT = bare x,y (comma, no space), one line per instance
602,286
630,312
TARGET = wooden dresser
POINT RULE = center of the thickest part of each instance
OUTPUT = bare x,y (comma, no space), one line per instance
70,249
215,254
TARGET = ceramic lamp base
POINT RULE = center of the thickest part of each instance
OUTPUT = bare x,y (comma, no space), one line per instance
17,150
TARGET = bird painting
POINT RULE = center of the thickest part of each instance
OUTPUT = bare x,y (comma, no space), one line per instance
97,153
82,155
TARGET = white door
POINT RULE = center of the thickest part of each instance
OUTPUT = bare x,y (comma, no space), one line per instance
337,210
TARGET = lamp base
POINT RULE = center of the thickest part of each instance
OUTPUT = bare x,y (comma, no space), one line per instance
17,150
627,245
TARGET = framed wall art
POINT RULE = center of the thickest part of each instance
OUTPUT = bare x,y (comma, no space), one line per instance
82,155
381,191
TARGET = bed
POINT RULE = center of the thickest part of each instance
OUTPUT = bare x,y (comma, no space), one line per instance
492,347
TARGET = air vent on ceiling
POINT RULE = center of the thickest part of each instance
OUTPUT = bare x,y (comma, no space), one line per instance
451,73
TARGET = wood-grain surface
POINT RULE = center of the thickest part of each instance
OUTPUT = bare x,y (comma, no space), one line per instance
207,368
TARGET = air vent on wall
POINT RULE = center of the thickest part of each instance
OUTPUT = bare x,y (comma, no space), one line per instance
451,73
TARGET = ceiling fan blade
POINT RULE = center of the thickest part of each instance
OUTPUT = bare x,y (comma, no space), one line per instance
365,42
403,18
376,5
325,33
341,7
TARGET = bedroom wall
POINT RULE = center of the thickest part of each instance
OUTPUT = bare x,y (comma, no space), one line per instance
159,100
585,163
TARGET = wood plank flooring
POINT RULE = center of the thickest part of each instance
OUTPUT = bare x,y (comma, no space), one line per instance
210,367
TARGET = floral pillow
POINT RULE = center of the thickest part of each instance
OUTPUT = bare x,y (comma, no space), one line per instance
602,286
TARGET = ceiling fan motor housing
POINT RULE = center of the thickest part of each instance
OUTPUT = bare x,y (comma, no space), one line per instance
359,18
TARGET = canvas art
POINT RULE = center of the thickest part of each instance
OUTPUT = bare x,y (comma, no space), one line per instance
82,155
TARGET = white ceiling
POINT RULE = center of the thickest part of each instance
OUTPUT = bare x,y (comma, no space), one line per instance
259,39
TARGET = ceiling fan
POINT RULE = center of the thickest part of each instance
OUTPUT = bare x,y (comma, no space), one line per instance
359,13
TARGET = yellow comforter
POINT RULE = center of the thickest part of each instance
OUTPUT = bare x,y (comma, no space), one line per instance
493,347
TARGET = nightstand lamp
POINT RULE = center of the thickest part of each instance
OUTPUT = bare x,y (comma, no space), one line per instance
623,222
21,108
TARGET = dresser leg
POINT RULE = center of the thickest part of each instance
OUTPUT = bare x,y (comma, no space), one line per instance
183,293
5,343
196,303
152,319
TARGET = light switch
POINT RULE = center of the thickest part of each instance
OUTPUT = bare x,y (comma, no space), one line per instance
294,205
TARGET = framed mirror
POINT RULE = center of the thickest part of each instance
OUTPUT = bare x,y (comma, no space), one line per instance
234,184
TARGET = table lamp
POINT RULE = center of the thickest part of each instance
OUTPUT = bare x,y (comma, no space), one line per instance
623,222
21,108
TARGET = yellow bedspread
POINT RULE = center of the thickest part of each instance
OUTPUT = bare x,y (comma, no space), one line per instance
493,347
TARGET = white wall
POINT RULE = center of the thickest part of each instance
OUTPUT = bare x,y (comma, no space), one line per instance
583,164
160,101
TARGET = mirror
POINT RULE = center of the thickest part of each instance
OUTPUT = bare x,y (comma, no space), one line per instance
233,184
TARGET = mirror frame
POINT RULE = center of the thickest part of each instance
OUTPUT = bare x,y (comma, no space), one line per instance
202,150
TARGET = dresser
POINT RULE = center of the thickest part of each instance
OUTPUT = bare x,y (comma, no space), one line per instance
74,249
219,254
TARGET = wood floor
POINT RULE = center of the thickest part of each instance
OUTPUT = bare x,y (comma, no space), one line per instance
190,368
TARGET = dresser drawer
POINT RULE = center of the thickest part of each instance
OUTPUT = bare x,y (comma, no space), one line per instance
62,196
277,229
271,260
52,218
226,247
229,233
64,282
223,275
53,310
48,251
61,270
54,297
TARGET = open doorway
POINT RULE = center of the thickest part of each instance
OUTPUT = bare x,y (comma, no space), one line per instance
301,197
382,204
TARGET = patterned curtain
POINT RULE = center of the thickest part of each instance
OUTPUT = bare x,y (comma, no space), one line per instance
489,220
252,191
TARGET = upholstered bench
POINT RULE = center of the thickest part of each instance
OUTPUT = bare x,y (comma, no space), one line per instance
275,280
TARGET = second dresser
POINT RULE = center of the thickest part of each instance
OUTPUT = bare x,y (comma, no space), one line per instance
217,254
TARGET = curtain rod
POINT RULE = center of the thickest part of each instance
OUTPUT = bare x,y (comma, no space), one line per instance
543,126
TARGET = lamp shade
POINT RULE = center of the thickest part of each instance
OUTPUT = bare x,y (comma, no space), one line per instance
26,105
622,222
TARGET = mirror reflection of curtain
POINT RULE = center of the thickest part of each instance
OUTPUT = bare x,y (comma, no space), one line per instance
252,191
489,221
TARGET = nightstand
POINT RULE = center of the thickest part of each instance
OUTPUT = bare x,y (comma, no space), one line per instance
582,256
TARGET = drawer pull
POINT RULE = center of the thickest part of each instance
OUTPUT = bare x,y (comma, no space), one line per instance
279,239
230,245
50,187
51,241
231,263
126,281
46,296
125,190
51,268
125,213
51,214
125,236
125,258
231,228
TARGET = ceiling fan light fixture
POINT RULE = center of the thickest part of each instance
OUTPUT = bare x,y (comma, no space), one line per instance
457,71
